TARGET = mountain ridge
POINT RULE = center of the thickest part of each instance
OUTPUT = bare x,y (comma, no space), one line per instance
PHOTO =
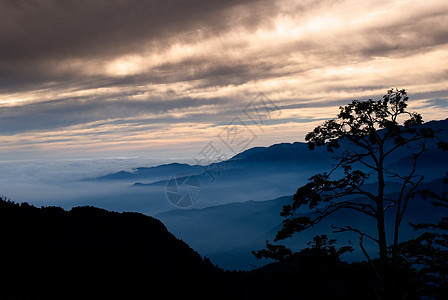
280,152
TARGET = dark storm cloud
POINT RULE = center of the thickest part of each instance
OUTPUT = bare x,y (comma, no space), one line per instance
74,111
40,39
46,29
208,73
408,36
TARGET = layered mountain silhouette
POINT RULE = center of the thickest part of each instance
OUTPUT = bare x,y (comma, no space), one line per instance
226,228
260,173
278,158
228,234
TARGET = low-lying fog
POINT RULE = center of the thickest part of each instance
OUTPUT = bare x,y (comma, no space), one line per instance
62,182
65,183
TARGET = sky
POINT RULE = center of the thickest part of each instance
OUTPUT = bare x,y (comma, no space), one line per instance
190,79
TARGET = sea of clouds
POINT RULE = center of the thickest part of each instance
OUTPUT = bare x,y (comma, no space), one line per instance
63,182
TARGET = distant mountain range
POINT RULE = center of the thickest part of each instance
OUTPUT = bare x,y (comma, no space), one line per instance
162,171
278,158
259,173
256,174
223,224
262,161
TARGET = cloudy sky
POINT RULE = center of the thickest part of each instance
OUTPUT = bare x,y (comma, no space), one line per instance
180,78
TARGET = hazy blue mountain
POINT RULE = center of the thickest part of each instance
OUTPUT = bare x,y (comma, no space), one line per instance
224,232
432,164
162,171
260,173
259,161
228,233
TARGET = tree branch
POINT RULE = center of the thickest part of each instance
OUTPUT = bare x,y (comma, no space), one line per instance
415,138
365,193
360,207
349,228
406,180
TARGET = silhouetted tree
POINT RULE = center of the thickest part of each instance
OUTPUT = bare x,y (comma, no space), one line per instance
374,133
371,132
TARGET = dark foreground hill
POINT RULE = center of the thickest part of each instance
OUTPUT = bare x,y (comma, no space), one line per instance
91,253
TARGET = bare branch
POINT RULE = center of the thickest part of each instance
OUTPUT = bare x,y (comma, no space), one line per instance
365,193
349,228
360,207
406,180
352,157
409,195
415,138
396,175
394,202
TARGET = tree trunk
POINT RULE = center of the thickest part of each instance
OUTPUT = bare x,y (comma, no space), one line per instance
382,243
396,230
